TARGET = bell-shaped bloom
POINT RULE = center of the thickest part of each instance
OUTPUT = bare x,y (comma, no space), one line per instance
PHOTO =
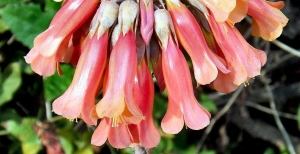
118,137
77,12
205,62
146,132
80,96
147,19
182,102
267,20
242,59
122,67
221,8
70,17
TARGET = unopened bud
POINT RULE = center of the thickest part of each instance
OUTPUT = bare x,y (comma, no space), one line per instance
163,22
104,18
127,15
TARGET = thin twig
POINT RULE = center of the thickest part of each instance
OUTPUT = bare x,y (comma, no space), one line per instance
4,132
217,117
276,117
48,110
286,48
269,111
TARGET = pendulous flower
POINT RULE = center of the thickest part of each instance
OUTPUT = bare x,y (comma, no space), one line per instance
122,48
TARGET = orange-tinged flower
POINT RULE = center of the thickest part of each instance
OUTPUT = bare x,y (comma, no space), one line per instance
144,133
243,60
43,59
77,12
267,20
205,62
182,102
79,98
122,67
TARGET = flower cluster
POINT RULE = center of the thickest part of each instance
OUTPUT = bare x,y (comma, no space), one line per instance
113,45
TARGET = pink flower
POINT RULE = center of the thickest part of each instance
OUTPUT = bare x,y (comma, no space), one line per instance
182,102
268,21
47,52
243,60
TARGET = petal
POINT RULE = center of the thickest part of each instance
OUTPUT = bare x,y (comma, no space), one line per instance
44,66
220,8
172,122
195,116
224,84
100,135
239,12
119,137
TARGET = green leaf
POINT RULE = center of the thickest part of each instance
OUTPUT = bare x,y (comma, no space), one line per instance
10,82
25,133
26,21
30,148
56,85
66,145
207,103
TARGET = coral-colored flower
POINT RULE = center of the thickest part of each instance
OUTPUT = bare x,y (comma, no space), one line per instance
205,63
182,102
79,98
243,60
267,20
147,134
119,70
43,57
122,67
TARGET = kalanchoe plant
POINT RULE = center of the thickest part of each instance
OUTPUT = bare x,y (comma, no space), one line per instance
113,43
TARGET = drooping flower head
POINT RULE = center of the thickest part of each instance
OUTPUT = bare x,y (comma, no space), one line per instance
116,45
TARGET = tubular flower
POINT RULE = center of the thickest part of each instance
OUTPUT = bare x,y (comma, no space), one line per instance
113,47
268,20
204,61
182,102
242,59
58,33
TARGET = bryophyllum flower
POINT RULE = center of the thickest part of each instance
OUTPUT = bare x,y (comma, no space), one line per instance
47,52
182,105
267,20
113,59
